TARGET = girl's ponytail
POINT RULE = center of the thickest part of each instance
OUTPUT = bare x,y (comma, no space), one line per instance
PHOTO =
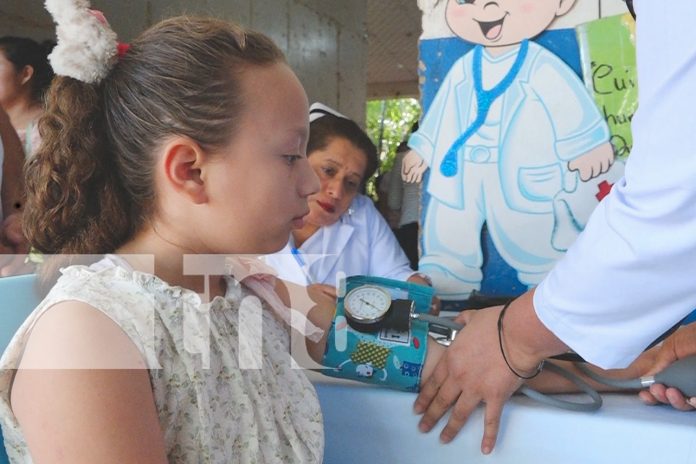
75,201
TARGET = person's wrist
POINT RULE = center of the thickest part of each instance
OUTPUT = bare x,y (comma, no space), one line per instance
527,342
505,351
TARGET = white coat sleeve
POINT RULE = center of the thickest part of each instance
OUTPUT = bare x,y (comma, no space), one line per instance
632,273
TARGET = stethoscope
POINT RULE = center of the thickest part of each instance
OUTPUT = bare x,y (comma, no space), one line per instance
484,102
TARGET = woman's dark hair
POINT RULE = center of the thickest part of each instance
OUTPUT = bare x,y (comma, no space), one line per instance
23,52
323,130
90,185
629,4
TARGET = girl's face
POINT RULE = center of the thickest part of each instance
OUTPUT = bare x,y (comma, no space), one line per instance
10,81
341,170
258,187
502,22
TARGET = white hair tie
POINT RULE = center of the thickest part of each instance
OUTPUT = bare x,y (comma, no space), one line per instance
317,110
87,47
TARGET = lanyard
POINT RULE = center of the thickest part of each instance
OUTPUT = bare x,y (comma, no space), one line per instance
484,101
301,262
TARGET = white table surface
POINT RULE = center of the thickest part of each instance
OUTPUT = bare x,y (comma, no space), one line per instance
372,425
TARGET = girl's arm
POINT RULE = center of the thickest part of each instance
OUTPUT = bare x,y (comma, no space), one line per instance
82,393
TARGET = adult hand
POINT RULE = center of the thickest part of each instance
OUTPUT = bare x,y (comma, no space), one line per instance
13,247
471,372
322,294
593,163
464,317
413,167
680,344
421,279
435,306
318,303
12,228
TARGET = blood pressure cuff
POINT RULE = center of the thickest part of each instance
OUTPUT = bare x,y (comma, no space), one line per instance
388,357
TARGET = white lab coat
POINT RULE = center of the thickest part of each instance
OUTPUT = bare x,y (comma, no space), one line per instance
631,273
359,243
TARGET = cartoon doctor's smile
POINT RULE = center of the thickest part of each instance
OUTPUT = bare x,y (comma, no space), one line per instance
492,30
489,16
502,23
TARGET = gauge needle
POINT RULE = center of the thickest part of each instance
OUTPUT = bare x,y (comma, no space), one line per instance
368,303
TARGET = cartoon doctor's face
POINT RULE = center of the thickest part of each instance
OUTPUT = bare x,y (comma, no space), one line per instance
502,22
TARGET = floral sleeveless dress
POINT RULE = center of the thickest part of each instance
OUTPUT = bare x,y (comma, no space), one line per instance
211,408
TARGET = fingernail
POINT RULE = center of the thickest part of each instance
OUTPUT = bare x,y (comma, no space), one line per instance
486,450
417,409
423,427
444,439
692,401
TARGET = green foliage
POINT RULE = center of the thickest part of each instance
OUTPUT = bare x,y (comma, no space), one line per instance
388,123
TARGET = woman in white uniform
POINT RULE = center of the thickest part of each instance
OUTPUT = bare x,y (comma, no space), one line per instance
343,234
628,277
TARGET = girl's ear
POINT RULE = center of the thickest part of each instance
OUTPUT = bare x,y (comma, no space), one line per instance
564,7
27,73
182,161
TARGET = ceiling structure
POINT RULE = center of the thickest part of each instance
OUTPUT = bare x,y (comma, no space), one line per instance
393,29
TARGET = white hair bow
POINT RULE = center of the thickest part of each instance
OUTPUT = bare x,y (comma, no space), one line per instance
87,46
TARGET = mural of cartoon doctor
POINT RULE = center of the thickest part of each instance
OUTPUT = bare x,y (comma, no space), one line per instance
510,136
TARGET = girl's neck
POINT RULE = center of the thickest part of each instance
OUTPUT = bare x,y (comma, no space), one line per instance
150,248
299,236
22,112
